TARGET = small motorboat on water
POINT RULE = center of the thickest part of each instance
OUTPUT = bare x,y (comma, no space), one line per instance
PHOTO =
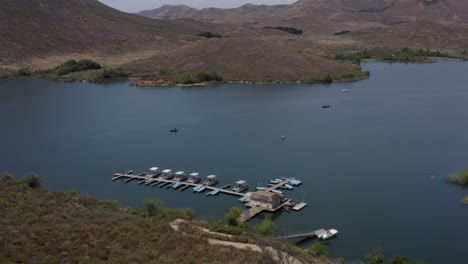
174,130
344,90
287,209
328,234
326,106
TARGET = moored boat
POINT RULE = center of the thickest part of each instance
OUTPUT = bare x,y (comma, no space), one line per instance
328,234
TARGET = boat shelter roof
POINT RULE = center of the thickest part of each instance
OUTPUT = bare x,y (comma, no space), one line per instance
194,174
241,182
166,171
180,173
154,169
211,176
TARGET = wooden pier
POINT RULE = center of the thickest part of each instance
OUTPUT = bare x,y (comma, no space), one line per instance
303,236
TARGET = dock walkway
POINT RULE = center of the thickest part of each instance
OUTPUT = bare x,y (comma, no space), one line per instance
303,235
131,177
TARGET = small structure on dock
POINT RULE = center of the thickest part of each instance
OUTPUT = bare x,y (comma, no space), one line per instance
241,186
194,177
211,180
265,199
180,176
154,172
166,174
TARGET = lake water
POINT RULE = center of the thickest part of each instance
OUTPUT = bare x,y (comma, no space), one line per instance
373,165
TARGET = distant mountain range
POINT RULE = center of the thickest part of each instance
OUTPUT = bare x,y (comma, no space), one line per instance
337,13
44,33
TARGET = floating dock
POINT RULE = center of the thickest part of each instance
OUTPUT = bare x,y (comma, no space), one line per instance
268,199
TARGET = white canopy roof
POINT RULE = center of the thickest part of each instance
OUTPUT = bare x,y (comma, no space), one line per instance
154,169
166,171
194,174
211,176
240,182
180,172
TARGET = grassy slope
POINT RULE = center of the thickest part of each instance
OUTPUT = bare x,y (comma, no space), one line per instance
40,226
47,227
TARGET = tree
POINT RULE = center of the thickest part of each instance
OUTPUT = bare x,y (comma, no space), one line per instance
151,207
265,227
375,257
403,260
33,181
6,176
232,217
318,249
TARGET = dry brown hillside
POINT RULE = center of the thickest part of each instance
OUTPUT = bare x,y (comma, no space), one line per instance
419,23
40,34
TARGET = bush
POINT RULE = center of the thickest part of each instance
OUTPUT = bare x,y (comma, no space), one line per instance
375,257
75,66
346,75
7,177
424,52
403,260
318,249
33,181
460,178
111,203
24,72
265,227
232,217
327,78
200,77
289,30
151,207
355,57
465,200
209,35
110,73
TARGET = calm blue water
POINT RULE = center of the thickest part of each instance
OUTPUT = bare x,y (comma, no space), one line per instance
373,165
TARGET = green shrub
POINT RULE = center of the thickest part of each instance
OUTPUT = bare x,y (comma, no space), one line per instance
151,207
33,181
111,203
355,57
232,217
327,78
465,200
375,257
6,176
75,66
460,178
265,227
164,73
209,35
110,73
424,52
346,75
403,260
24,72
318,249
200,77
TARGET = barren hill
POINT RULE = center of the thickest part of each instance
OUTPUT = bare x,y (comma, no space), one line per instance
43,28
438,24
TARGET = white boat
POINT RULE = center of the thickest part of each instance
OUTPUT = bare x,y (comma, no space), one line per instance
344,90
328,234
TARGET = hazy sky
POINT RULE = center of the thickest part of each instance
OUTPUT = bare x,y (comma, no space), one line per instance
138,5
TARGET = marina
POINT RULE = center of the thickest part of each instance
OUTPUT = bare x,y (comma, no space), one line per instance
263,199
